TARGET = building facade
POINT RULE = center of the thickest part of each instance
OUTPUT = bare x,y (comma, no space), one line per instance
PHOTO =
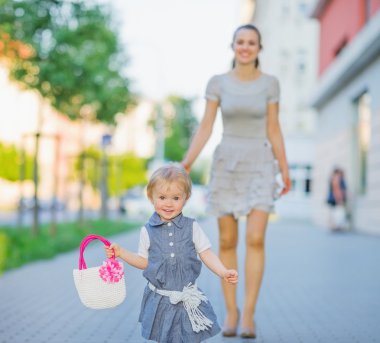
348,104
290,42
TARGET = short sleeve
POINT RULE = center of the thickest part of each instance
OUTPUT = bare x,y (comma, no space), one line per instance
200,239
144,243
213,89
274,90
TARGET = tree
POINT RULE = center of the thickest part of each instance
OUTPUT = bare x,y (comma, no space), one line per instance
179,128
10,159
124,170
69,52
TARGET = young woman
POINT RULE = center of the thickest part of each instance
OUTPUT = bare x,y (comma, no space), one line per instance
245,163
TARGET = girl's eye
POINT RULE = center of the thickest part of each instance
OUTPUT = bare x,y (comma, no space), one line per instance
176,198
162,197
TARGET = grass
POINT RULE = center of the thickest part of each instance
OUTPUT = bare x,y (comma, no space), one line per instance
19,246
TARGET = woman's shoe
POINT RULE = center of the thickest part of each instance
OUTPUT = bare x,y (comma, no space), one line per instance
248,332
231,331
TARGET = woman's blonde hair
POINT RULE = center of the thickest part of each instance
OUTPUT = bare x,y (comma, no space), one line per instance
172,172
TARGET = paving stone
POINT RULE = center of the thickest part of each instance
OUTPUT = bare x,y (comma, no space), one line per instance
318,288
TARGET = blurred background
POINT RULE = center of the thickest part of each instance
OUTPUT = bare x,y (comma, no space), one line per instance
94,95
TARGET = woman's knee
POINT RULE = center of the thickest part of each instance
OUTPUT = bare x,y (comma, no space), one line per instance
228,233
227,242
255,241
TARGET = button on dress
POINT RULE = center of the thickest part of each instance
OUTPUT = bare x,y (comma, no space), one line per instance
172,267
243,169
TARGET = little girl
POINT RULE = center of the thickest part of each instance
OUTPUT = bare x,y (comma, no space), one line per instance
173,309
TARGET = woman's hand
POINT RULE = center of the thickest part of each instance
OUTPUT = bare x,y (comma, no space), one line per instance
287,182
186,166
113,249
231,276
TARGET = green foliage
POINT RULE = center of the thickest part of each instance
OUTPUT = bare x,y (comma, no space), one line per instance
10,159
26,247
68,51
198,176
3,250
179,128
124,171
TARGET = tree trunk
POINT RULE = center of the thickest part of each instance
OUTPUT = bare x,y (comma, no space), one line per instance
104,186
36,224
21,184
53,223
35,228
82,157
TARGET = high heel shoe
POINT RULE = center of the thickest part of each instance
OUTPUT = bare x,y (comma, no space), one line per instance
249,332
231,331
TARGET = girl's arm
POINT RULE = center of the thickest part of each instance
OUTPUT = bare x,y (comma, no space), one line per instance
276,139
213,262
202,134
131,258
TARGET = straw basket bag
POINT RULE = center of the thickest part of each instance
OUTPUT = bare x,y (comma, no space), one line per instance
99,287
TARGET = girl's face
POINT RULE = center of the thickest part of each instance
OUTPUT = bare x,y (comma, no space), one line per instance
246,46
168,199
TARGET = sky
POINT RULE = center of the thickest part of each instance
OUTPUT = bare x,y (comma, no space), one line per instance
175,46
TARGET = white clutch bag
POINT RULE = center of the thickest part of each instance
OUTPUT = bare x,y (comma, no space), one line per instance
99,287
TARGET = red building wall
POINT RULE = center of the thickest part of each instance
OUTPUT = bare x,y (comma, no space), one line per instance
375,6
340,21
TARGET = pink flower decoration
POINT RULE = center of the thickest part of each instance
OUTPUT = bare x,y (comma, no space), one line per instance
111,271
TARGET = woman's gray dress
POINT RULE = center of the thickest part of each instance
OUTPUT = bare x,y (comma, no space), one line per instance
243,169
172,264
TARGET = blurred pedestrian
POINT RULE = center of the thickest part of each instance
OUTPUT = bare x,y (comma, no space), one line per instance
337,200
173,309
245,164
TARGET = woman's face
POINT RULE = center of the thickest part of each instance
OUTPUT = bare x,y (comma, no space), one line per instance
246,46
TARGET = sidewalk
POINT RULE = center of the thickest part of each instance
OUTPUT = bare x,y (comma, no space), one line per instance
318,287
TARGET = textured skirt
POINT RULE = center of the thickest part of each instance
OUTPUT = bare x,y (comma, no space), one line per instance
243,177
165,322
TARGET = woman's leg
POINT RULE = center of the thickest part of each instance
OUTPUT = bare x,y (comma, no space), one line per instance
228,239
254,263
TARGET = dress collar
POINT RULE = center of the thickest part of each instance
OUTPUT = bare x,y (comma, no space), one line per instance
155,220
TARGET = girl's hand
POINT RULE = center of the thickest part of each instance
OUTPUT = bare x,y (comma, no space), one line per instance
287,182
113,249
231,276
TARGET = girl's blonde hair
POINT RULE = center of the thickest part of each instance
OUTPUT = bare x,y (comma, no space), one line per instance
172,172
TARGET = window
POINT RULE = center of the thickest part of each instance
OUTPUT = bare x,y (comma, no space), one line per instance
285,9
301,61
303,8
363,139
284,61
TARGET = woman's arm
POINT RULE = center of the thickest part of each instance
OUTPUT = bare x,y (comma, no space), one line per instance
276,139
213,263
202,134
131,258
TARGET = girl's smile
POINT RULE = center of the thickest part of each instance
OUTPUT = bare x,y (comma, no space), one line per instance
168,199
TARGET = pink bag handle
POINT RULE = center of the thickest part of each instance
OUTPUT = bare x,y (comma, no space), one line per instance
83,245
